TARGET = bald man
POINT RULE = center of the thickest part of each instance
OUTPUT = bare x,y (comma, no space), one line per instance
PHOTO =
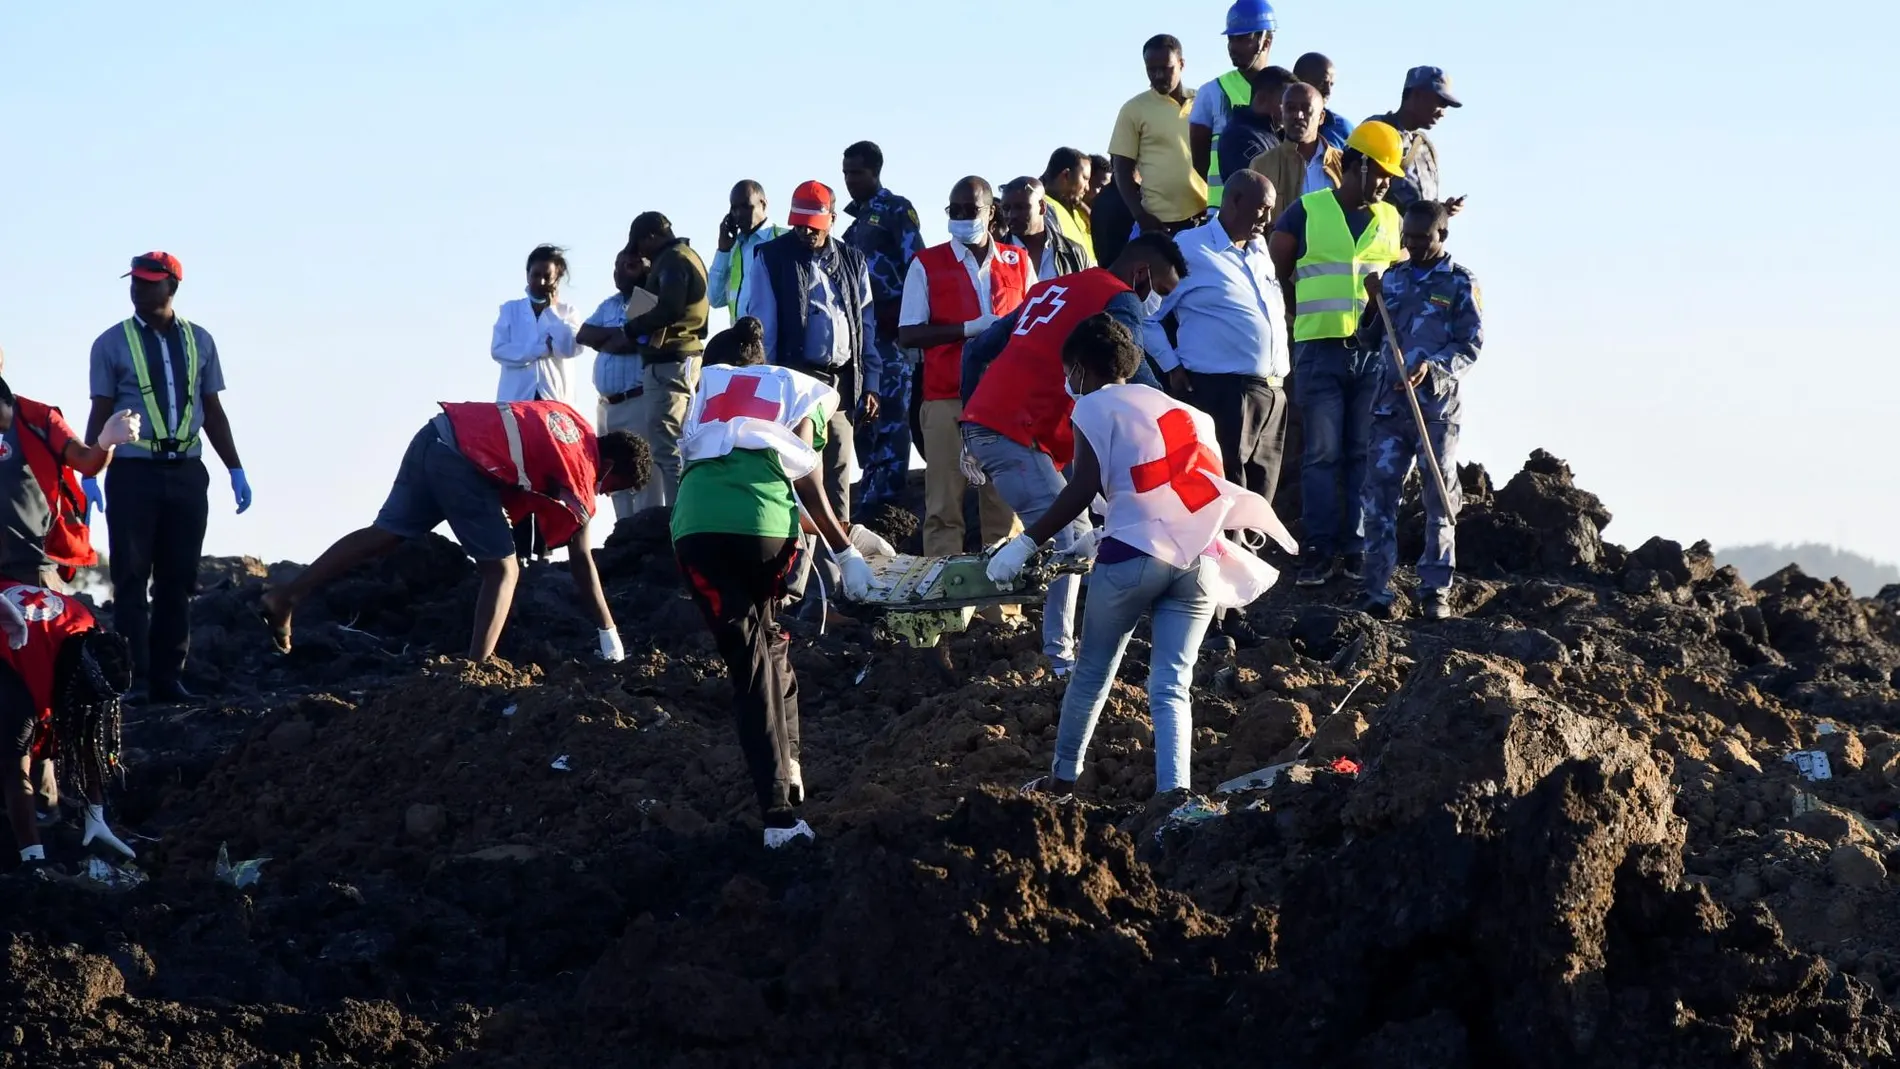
1302,162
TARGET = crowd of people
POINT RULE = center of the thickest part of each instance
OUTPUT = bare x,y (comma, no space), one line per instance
1242,291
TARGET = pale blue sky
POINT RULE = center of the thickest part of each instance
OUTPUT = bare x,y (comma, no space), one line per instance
1661,195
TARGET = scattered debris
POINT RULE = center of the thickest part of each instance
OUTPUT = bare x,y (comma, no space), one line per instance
242,874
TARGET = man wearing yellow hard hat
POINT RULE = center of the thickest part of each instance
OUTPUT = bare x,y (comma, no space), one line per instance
1323,247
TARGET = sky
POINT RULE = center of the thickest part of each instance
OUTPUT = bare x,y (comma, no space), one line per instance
353,188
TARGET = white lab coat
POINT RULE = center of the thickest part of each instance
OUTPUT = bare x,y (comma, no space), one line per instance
536,353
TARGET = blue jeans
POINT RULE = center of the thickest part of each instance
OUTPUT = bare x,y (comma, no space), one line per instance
1335,388
1182,607
1028,482
1394,446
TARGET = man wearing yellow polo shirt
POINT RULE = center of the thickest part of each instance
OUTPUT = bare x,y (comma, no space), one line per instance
1066,181
1154,167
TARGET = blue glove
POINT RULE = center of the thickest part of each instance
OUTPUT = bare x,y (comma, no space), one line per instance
241,489
95,497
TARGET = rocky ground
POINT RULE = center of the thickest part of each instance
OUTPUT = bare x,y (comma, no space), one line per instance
1567,835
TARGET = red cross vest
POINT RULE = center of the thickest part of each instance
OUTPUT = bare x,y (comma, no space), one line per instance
542,453
68,541
1162,475
51,619
953,301
1021,396
758,407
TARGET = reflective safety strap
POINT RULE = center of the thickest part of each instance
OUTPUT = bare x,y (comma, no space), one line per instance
154,415
512,429
1346,304
1317,270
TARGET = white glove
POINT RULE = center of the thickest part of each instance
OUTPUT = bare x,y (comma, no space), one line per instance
12,624
870,543
122,428
972,471
1009,561
96,829
611,650
1087,546
854,570
977,326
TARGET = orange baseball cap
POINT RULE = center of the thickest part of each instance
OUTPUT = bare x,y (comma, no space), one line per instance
156,267
812,206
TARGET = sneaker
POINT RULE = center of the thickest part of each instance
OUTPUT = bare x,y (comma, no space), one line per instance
1355,566
1436,604
1318,574
1379,610
776,838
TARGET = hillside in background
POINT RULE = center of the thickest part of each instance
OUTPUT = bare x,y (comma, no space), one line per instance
1865,575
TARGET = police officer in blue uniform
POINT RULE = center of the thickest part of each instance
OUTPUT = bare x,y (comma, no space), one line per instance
1437,312
884,228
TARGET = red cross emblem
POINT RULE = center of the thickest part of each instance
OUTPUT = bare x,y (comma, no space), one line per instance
36,603
739,401
1188,468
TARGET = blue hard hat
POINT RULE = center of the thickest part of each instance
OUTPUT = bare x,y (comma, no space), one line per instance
1250,16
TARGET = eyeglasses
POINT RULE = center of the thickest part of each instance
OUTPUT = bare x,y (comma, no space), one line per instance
963,211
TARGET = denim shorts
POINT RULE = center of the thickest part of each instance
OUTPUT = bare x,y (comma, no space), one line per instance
437,483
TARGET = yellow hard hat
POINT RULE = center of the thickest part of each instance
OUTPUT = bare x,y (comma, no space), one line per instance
1382,144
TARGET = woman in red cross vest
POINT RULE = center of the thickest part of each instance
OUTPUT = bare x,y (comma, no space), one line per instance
1161,553
752,443
61,679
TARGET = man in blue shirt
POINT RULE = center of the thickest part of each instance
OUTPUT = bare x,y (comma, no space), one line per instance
1317,71
742,229
885,231
617,373
1437,313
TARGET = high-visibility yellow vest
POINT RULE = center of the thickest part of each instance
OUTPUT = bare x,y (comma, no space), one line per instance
735,267
1239,95
1329,282
155,412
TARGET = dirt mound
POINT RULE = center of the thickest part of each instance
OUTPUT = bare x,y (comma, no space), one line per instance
1563,831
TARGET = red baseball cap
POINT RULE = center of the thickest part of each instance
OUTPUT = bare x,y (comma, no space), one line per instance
156,267
812,206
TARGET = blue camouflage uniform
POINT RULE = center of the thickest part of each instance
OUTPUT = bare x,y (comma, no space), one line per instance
1437,312
885,230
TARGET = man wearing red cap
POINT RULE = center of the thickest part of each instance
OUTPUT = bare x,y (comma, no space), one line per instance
158,364
812,295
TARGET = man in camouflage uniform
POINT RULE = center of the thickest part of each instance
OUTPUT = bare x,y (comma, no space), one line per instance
1437,311
884,228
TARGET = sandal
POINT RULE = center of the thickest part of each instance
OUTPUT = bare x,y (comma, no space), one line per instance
279,629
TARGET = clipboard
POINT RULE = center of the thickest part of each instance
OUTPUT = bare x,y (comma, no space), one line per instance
640,302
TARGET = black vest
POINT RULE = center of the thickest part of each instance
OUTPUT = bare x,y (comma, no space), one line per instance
788,263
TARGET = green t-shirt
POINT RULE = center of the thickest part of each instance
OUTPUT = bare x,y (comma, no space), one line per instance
744,492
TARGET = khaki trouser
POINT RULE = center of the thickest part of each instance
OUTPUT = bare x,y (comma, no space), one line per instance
669,394
630,415
944,485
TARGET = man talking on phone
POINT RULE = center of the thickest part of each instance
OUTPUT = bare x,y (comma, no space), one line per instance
741,230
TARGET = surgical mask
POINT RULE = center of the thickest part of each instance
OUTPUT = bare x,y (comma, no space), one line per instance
1151,303
1069,388
532,296
968,231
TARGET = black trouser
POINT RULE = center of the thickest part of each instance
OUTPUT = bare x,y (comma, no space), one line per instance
1250,421
156,513
737,581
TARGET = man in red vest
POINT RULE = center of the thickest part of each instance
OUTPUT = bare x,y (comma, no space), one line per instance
951,293
1016,419
484,466
43,520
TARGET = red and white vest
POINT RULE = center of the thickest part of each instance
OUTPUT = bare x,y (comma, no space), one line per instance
1167,496
953,300
542,452
755,407
51,619
1021,396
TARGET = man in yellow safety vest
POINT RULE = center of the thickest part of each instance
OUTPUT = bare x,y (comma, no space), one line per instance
1323,247
742,229
1250,26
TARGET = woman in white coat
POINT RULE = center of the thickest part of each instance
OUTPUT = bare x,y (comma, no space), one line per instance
534,335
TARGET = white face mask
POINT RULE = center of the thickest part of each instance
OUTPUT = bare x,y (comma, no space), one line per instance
968,231
1151,303
1068,387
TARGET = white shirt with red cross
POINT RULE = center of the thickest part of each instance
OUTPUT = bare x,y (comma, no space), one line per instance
755,407
1162,476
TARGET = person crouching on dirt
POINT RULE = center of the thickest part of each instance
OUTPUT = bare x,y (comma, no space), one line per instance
484,467
752,443
61,679
1157,464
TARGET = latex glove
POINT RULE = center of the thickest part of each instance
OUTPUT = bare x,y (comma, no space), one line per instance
1087,546
240,489
123,427
855,571
611,650
870,543
978,325
95,497
96,829
972,471
12,624
1009,561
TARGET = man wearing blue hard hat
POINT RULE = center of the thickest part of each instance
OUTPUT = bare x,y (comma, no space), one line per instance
1250,26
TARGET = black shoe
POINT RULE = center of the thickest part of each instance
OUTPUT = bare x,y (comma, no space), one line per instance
173,693
1355,566
1379,610
1436,604
1318,574
38,870
1242,633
